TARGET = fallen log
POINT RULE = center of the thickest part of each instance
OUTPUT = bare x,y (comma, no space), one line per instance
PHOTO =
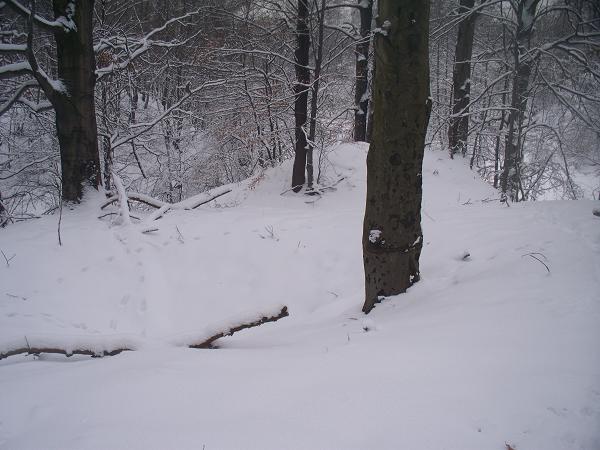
190,203
87,349
61,351
208,343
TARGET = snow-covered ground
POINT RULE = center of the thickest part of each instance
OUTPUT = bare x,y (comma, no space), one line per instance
490,350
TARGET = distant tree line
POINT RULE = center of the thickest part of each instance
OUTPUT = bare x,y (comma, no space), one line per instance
177,97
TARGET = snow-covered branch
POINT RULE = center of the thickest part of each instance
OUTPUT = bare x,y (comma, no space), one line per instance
62,24
14,70
145,127
135,48
12,48
90,345
163,207
239,325
20,90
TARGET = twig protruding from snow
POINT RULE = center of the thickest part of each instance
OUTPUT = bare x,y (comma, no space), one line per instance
7,259
533,255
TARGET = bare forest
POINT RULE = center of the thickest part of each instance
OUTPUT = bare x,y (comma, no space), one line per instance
177,97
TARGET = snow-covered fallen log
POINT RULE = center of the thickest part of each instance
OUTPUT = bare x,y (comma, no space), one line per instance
96,346
163,207
99,346
209,336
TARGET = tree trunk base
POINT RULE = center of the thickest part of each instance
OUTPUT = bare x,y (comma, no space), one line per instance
388,272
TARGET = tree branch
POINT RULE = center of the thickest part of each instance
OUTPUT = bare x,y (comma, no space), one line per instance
14,70
15,97
58,25
62,351
208,343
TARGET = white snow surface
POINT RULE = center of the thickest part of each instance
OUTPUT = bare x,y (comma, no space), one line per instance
482,352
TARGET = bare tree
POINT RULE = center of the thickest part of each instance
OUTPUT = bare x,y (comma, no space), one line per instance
525,12
301,88
361,98
71,95
461,79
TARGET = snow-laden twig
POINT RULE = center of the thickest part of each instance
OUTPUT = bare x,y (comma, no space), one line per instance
142,128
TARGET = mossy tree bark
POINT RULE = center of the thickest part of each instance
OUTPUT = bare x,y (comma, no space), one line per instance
392,235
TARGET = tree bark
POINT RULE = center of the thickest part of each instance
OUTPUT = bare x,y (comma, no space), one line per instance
369,135
392,235
361,99
513,149
75,112
461,81
314,100
301,88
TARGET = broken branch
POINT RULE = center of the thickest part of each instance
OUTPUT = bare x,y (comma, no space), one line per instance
208,343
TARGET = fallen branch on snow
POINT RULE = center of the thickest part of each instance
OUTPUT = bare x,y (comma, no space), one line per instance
62,351
533,255
100,346
190,203
95,346
208,343
161,207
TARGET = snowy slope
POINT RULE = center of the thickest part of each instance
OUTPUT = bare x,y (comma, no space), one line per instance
484,351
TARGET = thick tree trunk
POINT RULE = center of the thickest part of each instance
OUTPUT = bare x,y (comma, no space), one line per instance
461,81
392,235
509,181
301,95
361,99
75,113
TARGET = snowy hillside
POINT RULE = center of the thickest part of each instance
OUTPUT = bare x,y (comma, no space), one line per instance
496,347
